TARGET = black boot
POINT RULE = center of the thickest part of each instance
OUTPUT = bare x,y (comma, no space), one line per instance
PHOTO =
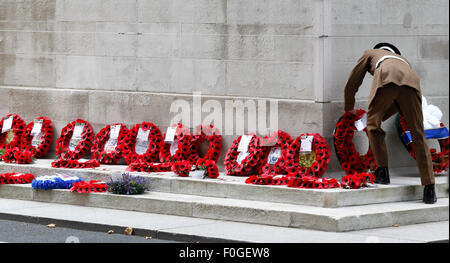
382,175
429,194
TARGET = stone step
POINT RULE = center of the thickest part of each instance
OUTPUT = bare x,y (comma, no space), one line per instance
189,229
258,212
405,186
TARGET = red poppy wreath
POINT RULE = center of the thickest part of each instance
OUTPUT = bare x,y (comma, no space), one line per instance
311,163
350,159
181,145
214,138
75,164
16,178
312,182
75,140
242,162
107,145
39,135
182,168
142,166
13,136
272,163
142,143
93,186
357,180
210,169
440,159
17,155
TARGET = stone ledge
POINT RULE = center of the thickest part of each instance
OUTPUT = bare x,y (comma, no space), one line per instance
405,186
257,212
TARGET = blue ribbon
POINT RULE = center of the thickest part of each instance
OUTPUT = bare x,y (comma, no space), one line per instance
53,183
439,133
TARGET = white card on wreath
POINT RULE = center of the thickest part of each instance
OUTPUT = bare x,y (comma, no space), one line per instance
114,132
174,147
143,135
142,142
7,124
361,124
37,139
244,143
170,134
78,130
306,144
274,155
111,144
242,156
37,127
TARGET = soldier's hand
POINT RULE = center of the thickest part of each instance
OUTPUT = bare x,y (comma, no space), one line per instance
354,112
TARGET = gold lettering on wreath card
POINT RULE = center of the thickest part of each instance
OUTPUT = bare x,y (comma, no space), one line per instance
307,159
306,156
9,137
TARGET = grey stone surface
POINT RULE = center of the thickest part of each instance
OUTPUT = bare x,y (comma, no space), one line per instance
189,229
267,213
405,186
297,51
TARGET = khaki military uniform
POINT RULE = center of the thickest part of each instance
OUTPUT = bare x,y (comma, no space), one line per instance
395,88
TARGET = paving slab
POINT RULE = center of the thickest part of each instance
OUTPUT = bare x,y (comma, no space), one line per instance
259,212
194,229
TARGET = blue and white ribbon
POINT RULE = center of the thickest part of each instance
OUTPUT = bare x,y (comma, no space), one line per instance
54,182
439,133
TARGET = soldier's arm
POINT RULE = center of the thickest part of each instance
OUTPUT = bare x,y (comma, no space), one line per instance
354,81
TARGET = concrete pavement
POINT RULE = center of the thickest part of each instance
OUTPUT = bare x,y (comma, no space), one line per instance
188,229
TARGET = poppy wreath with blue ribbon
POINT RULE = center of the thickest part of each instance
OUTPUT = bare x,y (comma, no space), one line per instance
351,160
233,167
62,143
98,146
54,182
16,178
43,147
129,144
183,151
202,133
320,154
440,159
18,127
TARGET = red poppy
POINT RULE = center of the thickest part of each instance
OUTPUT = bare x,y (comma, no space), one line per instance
62,143
18,127
183,136
16,178
278,139
214,138
351,161
233,167
75,164
93,186
322,156
128,147
440,158
103,155
357,180
182,168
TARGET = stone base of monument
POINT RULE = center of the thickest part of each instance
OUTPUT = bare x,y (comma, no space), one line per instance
229,198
